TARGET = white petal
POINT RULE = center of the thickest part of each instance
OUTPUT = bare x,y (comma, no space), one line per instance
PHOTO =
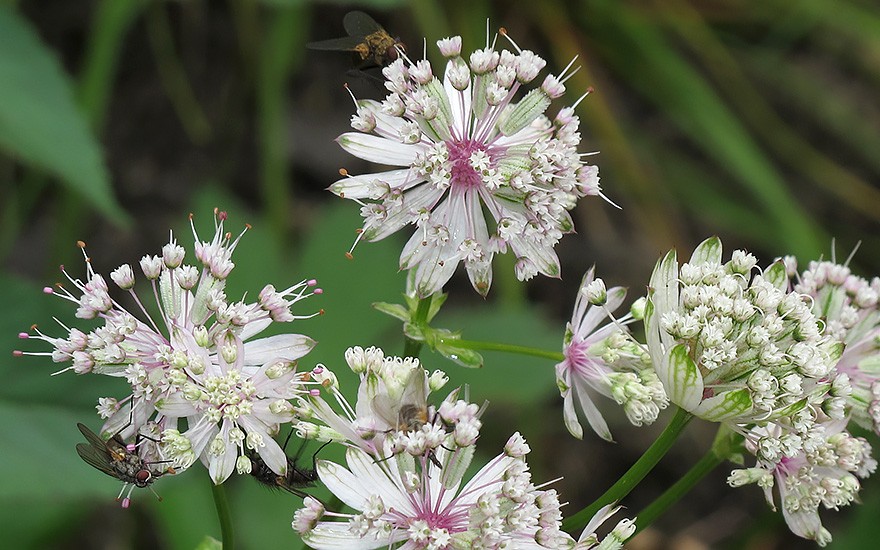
283,347
378,149
335,535
361,186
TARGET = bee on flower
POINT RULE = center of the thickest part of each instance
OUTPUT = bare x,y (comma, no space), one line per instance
405,467
482,170
197,361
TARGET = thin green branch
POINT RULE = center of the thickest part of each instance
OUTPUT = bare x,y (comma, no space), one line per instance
411,347
635,474
507,348
650,513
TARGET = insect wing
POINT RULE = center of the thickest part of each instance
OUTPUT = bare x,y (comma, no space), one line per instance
358,23
345,44
93,438
96,457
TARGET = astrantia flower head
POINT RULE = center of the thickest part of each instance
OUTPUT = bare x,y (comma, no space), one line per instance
197,359
498,507
392,414
469,145
848,305
734,347
606,360
822,468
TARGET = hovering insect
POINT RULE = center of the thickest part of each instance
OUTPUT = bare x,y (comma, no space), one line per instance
366,38
117,459
412,410
296,478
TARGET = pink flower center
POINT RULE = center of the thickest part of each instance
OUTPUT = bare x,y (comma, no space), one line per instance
463,174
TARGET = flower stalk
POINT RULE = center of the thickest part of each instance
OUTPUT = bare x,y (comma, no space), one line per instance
635,474
412,347
221,503
683,486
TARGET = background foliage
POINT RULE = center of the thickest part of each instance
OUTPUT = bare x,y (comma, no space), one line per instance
756,121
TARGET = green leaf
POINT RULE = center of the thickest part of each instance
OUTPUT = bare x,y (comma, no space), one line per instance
39,120
462,356
394,310
209,543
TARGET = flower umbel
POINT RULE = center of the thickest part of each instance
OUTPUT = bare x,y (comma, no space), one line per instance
849,307
196,360
825,471
606,360
468,146
734,347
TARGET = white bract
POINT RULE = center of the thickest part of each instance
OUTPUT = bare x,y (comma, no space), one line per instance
194,358
467,146
736,347
605,359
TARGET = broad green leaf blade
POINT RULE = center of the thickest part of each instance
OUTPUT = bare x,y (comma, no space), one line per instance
39,120
651,64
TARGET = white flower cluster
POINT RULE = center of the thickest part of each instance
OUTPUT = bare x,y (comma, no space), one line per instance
197,360
405,467
469,145
737,347
607,360
824,471
848,305
766,358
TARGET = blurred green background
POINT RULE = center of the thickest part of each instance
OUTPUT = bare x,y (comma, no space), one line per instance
756,121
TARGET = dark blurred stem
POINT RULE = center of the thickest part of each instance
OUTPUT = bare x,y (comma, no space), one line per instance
635,474
227,533
411,348
280,53
507,348
110,23
173,76
649,514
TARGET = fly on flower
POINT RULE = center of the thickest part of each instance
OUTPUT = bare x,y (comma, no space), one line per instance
117,459
366,38
294,480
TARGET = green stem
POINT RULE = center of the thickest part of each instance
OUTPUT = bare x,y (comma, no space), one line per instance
173,76
507,348
649,514
635,474
281,53
411,348
227,533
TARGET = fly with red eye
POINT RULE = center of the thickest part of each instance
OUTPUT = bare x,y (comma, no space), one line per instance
120,460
